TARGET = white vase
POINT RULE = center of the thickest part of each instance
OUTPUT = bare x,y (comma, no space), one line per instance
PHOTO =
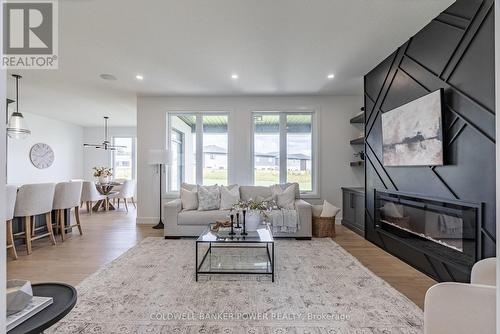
103,179
252,221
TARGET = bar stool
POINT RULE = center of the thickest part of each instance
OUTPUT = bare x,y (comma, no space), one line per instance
10,195
32,200
77,180
90,194
67,196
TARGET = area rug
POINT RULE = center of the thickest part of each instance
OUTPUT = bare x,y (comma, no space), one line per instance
319,288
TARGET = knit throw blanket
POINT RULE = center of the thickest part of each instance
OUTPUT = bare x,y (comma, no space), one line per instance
284,221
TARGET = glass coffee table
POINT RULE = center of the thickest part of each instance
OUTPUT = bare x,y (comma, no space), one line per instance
222,253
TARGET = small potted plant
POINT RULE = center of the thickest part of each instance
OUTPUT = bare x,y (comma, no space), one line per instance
256,212
103,174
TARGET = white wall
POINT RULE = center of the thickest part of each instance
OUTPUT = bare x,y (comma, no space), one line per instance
96,157
335,152
66,139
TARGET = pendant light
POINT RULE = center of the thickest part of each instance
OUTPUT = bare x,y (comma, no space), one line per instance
17,127
106,144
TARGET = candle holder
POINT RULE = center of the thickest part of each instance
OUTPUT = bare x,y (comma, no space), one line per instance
238,220
232,225
244,223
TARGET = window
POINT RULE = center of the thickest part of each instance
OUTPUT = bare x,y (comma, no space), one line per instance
299,150
192,133
266,150
124,161
215,150
183,150
283,149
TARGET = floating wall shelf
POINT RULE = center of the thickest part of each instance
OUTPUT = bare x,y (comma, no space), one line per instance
359,119
358,141
357,163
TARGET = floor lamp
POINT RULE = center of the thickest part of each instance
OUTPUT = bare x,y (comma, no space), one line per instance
159,158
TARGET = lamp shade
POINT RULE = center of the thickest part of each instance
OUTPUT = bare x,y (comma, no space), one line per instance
17,127
158,157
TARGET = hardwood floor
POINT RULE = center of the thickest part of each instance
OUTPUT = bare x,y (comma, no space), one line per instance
404,278
107,235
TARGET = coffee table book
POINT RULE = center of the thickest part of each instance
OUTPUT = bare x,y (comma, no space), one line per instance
36,305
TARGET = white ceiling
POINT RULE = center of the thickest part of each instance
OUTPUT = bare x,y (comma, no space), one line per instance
191,47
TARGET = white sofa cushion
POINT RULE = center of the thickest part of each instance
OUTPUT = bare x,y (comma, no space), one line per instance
189,186
189,199
264,199
285,198
208,198
286,185
229,196
201,217
252,192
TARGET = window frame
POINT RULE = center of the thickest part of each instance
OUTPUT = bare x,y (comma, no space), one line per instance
199,144
182,145
315,192
133,154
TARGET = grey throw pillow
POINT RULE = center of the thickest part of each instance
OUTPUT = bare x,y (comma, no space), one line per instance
208,198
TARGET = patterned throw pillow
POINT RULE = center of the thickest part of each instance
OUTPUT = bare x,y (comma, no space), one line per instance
229,196
208,198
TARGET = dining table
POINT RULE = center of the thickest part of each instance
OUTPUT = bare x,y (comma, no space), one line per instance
106,189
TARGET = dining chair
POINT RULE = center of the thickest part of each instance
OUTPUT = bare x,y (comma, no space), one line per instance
67,196
33,200
118,186
90,194
11,192
126,191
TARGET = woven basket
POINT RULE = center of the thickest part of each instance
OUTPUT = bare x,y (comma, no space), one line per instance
323,227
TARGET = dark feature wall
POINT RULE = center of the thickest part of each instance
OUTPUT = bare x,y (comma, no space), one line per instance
455,51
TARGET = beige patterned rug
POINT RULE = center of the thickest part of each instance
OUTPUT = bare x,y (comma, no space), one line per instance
319,288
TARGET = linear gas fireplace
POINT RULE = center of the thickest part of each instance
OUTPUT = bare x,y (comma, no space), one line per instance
444,228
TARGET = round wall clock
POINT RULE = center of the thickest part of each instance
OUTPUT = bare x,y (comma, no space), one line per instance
41,156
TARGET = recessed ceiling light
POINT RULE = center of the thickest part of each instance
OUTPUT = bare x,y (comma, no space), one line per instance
106,76
234,76
331,76
139,77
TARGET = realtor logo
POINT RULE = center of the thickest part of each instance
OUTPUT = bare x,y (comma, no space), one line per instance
30,35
